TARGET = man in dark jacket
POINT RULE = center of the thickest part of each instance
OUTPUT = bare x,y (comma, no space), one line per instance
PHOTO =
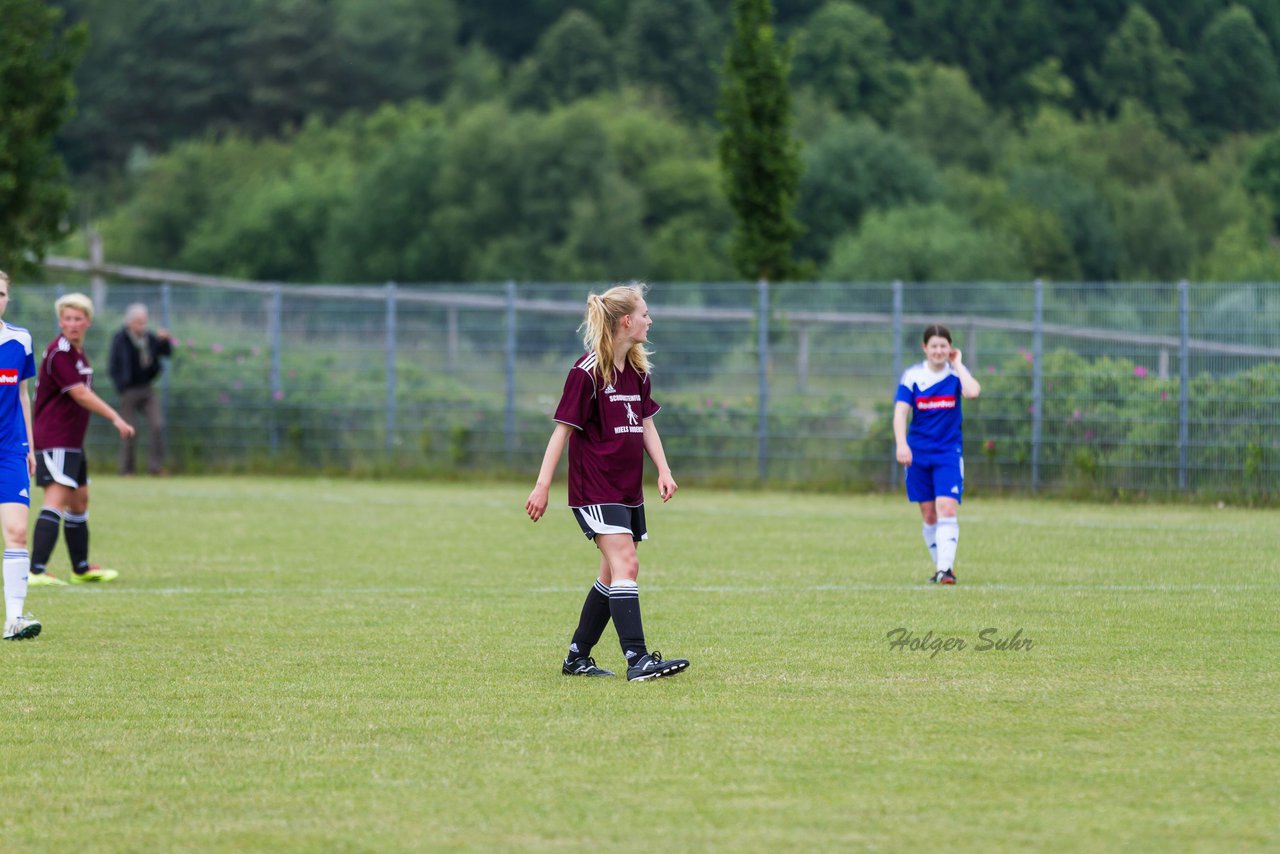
135,364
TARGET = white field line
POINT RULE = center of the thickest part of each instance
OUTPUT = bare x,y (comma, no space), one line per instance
747,590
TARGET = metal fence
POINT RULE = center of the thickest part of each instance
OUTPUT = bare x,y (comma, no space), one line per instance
1143,388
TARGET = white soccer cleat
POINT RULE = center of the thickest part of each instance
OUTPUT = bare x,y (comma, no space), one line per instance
22,628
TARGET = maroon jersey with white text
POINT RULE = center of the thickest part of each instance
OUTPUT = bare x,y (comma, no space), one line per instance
57,421
606,450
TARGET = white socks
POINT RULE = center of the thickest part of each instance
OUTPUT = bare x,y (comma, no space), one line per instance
17,563
948,538
930,533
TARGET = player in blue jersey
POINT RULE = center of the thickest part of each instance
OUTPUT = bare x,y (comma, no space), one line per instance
932,451
17,465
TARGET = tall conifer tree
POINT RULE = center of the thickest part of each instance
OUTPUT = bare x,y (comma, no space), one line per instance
759,157
37,58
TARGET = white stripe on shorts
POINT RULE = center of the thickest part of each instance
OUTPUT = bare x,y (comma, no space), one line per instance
595,519
54,461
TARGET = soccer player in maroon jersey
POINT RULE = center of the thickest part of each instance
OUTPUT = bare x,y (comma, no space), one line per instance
64,400
606,417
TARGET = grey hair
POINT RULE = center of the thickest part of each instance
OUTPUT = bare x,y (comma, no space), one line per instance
135,310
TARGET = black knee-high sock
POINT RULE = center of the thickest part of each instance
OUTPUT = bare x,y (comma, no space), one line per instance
75,526
591,623
624,607
48,523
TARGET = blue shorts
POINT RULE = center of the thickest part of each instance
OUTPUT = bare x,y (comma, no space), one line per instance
15,481
933,476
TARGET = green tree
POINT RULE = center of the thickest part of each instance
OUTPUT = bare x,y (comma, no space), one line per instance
995,43
569,172
520,193
845,54
1213,198
603,240
671,46
1085,216
758,155
1262,176
478,212
275,230
985,201
1237,82
1138,64
89,140
37,60
573,59
384,233
947,119
181,195
393,50
1154,242
688,220
1134,149
286,64
157,72
511,29
477,77
1240,253
850,170
181,62
924,243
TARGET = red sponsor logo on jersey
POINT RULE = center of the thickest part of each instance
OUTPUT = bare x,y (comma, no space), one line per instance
942,401
8,376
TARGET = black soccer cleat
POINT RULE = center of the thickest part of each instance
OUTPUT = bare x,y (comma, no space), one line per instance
943,576
652,666
583,667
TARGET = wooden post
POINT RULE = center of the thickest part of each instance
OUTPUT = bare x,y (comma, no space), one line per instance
97,284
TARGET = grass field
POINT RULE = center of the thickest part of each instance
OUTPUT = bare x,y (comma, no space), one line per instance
299,665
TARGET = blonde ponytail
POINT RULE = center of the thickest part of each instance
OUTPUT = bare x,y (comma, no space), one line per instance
599,327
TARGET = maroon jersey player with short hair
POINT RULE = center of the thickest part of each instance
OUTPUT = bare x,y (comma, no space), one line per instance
60,415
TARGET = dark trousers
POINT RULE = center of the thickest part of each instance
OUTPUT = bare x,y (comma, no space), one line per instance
142,398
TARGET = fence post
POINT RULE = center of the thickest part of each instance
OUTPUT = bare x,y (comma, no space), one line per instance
58,293
896,344
166,323
275,309
97,257
1184,380
802,358
391,366
509,430
1037,382
762,343
451,339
